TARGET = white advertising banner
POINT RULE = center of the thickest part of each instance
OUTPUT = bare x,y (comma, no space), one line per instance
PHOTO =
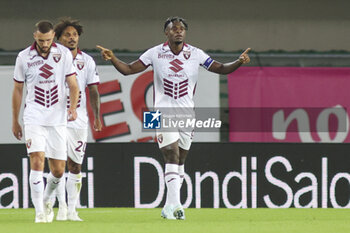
122,100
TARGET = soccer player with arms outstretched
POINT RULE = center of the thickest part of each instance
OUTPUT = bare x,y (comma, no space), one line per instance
45,68
68,32
174,63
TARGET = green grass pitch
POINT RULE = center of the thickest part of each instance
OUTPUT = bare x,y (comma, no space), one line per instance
130,220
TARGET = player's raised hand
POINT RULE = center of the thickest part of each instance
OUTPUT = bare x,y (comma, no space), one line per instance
106,54
244,57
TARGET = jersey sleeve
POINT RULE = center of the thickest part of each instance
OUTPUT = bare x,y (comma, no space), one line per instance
19,70
146,57
204,59
93,77
69,66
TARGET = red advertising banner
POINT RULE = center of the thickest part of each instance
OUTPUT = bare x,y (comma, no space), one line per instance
289,104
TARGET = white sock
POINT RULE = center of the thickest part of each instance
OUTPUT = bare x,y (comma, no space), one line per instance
36,182
172,181
61,192
51,184
73,189
181,174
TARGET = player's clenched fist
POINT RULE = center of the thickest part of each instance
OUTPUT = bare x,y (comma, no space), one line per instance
107,54
72,114
244,57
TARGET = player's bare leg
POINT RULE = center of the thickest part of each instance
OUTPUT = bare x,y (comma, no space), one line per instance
74,184
57,168
36,182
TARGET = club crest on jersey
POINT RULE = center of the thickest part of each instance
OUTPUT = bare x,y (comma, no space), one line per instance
80,65
56,57
187,54
29,143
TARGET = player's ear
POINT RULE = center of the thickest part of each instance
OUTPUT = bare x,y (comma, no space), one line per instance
166,32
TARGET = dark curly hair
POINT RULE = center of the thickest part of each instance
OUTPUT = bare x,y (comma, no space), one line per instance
175,19
66,22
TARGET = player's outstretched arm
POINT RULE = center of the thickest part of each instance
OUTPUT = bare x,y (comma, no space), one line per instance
124,68
16,106
95,105
73,97
228,68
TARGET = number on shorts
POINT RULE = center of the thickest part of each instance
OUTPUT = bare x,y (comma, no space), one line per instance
81,147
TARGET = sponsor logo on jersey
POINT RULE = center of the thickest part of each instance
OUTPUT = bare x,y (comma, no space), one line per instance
35,63
176,65
152,119
56,57
46,73
165,56
46,81
176,75
187,54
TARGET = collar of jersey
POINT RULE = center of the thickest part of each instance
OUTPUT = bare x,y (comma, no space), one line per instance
166,48
79,54
33,50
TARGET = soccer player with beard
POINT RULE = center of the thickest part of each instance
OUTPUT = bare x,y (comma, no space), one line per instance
45,68
68,32
175,65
